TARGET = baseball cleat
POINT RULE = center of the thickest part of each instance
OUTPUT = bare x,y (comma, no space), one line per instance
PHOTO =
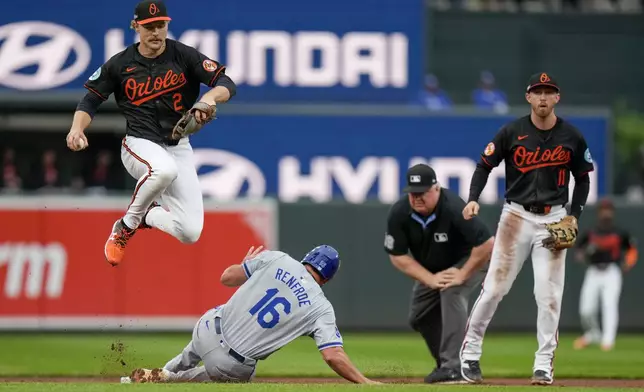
541,377
147,375
580,343
445,376
144,225
116,243
471,372
606,347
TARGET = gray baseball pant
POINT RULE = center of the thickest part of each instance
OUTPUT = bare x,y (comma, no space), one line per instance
441,318
219,362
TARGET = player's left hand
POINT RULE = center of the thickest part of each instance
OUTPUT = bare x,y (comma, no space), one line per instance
563,234
252,252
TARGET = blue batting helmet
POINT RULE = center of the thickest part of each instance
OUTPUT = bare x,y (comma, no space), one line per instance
325,259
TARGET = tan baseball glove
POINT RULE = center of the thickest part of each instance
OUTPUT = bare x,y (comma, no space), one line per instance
188,124
563,234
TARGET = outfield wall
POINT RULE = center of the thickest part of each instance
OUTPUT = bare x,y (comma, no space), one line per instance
53,275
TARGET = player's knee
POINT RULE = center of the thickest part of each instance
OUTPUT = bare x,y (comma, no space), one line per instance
189,234
167,173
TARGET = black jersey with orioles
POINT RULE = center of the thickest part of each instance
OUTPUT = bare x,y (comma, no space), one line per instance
153,93
538,163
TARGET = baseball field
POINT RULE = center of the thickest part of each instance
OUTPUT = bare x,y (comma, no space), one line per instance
95,362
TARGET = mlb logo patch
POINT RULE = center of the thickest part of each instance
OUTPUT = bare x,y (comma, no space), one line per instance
414,179
440,237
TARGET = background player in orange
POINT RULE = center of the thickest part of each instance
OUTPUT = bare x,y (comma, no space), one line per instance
608,250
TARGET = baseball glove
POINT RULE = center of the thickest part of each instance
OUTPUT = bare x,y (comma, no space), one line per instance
187,124
562,234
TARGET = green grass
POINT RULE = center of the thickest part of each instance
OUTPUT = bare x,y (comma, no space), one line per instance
86,387
377,355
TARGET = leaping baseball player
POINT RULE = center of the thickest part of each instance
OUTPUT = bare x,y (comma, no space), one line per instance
279,300
540,150
156,83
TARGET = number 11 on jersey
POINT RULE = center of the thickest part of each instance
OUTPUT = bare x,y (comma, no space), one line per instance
264,308
561,180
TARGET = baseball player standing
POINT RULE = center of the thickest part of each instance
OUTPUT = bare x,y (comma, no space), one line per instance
541,151
604,248
428,240
156,83
279,300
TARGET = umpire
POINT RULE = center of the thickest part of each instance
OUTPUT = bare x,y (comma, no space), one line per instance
429,240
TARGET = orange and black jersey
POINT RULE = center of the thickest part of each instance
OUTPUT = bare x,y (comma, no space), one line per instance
608,245
153,93
538,164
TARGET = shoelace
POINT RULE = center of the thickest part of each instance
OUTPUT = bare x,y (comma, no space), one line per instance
123,237
474,366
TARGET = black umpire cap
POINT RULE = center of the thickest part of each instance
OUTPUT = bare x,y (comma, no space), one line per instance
148,11
542,79
420,178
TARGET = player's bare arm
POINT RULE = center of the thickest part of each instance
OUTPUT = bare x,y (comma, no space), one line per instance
412,268
235,275
339,361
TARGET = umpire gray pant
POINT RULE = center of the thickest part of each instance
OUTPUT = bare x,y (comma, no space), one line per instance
441,318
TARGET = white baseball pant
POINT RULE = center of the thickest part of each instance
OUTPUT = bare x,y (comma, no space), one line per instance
519,234
604,284
167,175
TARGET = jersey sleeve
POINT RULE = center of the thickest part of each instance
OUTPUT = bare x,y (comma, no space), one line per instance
262,260
582,160
325,332
395,238
206,70
101,82
494,152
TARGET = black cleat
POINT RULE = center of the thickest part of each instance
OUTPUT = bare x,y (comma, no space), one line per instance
541,377
471,372
445,376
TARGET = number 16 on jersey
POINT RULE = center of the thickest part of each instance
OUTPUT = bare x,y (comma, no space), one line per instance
264,308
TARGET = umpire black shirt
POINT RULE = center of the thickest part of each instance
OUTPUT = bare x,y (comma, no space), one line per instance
438,241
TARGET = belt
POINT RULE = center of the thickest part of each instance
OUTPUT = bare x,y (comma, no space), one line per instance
542,209
238,357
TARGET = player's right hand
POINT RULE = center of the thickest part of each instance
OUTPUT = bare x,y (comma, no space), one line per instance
76,140
471,210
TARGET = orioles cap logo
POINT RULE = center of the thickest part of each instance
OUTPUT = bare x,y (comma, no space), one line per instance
153,9
544,78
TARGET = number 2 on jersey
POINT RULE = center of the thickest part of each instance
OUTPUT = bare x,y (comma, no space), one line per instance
561,180
263,308
177,102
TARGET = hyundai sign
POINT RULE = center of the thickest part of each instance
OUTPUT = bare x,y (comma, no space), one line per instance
290,50
357,158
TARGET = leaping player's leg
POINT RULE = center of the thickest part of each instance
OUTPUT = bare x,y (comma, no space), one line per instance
511,247
155,170
611,291
181,212
549,269
588,309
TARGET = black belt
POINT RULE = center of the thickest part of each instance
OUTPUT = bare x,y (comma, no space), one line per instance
240,358
536,208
